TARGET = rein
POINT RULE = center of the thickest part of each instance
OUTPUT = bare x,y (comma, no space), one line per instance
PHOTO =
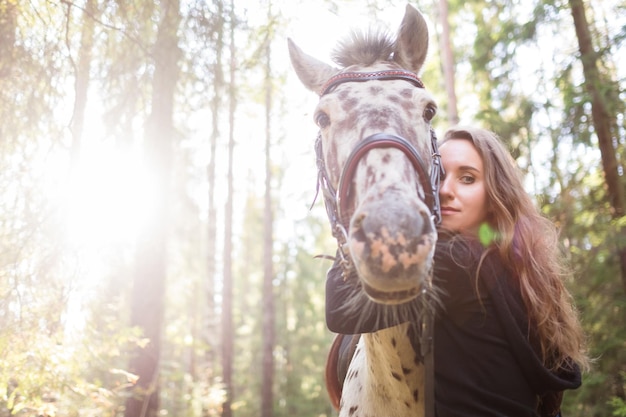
336,201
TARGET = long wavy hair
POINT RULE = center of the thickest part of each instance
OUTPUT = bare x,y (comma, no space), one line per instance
528,243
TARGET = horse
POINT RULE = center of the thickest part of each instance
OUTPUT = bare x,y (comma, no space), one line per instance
378,170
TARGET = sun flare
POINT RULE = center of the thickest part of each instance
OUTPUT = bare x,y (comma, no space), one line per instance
109,198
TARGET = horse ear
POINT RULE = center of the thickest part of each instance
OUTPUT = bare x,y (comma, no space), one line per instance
412,42
312,72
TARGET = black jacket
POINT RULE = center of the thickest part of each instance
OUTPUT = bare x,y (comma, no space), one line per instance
486,355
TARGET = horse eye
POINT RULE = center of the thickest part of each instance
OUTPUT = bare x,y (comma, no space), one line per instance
322,119
429,112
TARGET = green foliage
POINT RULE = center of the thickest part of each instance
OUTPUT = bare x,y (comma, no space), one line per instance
79,372
304,338
619,407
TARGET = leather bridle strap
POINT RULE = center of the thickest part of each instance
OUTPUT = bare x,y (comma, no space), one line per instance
343,77
382,140
428,355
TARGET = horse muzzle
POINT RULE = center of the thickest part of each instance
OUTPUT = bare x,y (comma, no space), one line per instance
392,241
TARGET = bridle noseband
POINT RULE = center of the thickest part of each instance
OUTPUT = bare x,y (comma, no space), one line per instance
336,200
429,182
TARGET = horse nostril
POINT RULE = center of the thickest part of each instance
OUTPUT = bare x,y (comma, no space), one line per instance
357,222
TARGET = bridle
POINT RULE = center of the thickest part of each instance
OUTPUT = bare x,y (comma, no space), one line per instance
336,201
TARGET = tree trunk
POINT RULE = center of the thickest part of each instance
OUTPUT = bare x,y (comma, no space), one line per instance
147,306
267,383
447,61
604,122
82,69
212,329
228,337
8,23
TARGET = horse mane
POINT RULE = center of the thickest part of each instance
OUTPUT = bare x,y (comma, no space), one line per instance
364,48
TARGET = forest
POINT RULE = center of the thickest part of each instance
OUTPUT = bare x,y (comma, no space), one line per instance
160,235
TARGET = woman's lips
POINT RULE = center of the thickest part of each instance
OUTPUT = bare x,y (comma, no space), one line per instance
448,210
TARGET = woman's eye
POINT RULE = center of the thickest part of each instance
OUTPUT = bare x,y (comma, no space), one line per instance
322,120
429,112
467,179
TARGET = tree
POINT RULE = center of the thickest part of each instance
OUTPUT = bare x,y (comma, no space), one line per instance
605,107
269,319
216,31
447,62
8,24
149,283
228,331
82,69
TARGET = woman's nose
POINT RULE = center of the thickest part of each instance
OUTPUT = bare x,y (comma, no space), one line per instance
445,189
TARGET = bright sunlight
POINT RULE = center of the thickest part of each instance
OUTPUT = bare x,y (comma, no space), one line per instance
109,197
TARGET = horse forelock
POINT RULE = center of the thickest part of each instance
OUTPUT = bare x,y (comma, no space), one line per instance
364,48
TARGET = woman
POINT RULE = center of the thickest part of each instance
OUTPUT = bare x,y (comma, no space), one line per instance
507,338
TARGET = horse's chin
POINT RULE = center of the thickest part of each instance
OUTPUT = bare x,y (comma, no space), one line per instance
390,297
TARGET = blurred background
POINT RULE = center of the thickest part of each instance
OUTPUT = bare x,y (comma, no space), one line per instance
158,221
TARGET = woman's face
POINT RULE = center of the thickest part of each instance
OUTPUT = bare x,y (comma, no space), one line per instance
462,192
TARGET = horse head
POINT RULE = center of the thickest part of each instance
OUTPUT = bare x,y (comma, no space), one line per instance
376,153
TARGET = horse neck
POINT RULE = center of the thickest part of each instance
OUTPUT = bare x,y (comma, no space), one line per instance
393,366
390,348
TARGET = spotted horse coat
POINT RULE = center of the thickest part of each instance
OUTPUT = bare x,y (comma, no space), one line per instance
374,149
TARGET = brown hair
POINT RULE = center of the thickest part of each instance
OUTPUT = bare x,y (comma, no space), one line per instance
529,244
